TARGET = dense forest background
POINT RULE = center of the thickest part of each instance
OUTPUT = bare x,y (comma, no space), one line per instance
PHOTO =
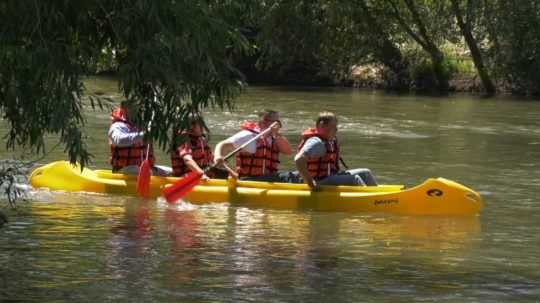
418,45
412,45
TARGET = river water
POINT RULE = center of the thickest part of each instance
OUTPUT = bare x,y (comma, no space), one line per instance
81,247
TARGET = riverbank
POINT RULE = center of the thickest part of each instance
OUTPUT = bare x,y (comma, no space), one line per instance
364,77
372,76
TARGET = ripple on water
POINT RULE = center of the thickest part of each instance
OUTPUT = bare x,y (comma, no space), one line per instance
80,246
379,131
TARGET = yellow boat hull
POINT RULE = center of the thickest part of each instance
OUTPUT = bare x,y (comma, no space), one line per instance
433,197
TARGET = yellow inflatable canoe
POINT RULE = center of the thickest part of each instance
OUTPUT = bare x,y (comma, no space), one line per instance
433,197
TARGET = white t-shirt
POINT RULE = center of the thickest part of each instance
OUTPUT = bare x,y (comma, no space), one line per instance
121,134
242,137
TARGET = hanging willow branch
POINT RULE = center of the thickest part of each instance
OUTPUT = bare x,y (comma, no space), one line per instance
181,48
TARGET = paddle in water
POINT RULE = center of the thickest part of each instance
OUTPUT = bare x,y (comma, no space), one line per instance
183,186
145,170
143,179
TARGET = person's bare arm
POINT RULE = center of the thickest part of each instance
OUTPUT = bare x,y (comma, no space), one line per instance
224,147
188,160
301,165
282,143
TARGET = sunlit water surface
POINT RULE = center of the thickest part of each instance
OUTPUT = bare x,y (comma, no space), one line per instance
82,247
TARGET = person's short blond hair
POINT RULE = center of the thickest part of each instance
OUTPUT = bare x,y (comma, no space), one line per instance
325,118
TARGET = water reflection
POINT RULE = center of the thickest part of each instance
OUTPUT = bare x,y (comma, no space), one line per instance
424,233
130,247
264,250
126,249
137,221
182,228
133,245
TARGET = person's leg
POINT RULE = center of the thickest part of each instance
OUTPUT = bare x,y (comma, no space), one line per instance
157,170
365,174
342,179
218,173
290,177
161,171
281,177
268,178
129,170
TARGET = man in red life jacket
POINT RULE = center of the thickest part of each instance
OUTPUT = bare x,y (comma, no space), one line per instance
259,160
128,149
318,157
194,153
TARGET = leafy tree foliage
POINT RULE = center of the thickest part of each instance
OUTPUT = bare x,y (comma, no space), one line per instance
289,36
359,32
514,40
316,40
424,21
327,37
173,59
466,20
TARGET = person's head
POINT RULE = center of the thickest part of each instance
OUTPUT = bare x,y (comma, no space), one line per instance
196,125
130,109
267,117
326,125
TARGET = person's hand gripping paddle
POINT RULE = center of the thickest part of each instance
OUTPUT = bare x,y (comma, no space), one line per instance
183,186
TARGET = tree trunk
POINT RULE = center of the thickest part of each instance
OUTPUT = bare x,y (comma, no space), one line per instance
390,56
387,52
441,75
3,219
479,64
425,41
473,47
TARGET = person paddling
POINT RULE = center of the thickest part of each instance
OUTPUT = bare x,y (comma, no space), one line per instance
318,156
126,141
258,161
194,154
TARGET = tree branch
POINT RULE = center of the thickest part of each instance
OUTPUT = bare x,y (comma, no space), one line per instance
421,27
407,28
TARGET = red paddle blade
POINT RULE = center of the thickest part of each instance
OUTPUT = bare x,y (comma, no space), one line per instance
143,180
181,187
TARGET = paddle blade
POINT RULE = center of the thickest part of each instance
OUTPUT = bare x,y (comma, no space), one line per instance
143,180
181,187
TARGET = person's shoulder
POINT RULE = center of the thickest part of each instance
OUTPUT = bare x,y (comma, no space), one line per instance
312,143
241,134
117,125
245,132
314,140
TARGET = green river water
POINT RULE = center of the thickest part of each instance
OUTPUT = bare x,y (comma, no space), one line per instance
89,247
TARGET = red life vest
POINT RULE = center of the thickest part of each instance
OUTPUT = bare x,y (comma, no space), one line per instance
122,156
326,165
198,148
263,162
